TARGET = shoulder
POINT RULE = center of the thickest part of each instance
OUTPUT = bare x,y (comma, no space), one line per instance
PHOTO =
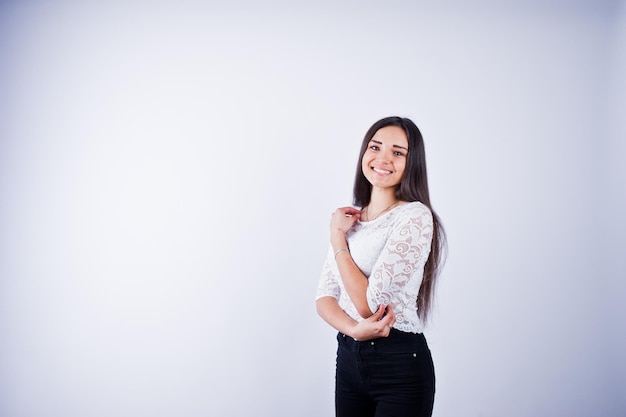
414,208
414,212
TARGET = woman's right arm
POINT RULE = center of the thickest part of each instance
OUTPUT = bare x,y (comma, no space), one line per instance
370,328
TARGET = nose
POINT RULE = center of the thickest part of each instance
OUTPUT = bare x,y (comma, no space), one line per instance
384,157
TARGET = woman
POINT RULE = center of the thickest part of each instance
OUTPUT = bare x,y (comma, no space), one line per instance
377,283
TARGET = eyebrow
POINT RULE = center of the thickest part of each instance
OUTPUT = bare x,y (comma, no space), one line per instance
395,146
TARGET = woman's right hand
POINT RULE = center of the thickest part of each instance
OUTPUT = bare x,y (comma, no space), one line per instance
343,218
376,325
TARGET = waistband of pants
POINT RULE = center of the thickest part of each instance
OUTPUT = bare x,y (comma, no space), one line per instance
394,335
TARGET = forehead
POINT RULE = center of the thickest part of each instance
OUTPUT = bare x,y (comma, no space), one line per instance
392,135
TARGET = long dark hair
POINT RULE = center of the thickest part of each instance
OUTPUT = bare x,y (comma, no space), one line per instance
413,187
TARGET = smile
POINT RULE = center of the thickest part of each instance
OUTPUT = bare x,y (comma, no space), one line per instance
381,171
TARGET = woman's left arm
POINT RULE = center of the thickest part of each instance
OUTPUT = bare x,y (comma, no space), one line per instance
397,273
406,248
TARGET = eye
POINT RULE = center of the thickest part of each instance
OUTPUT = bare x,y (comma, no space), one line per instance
374,147
398,153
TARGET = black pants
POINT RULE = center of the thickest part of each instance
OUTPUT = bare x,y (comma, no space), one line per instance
387,377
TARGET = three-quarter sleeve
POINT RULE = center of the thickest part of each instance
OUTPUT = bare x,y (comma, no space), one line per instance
328,284
398,271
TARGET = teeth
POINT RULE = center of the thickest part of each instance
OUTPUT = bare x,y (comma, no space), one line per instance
381,171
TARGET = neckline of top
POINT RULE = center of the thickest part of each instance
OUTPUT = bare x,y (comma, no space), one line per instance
383,215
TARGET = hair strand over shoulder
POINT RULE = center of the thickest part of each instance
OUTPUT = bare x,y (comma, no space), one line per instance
413,187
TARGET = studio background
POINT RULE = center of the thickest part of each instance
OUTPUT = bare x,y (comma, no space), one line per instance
168,170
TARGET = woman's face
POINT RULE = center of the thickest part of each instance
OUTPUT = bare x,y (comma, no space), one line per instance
384,160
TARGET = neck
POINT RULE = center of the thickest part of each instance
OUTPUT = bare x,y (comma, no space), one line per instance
381,201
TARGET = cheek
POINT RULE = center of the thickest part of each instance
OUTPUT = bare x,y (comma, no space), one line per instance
365,161
401,168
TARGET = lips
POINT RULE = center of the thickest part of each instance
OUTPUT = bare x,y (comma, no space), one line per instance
381,171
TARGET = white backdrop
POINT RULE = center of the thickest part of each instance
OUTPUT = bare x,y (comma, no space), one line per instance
167,173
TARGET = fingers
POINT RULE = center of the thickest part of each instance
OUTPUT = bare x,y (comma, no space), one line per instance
347,211
389,317
385,315
344,218
388,320
378,314
350,211
388,314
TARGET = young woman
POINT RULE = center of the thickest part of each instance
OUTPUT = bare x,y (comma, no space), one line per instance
377,283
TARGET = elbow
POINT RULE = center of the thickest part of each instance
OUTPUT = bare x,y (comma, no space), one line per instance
318,307
321,305
364,305
364,311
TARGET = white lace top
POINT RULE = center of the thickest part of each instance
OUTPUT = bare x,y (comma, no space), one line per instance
391,251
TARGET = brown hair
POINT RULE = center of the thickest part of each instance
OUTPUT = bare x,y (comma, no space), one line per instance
413,187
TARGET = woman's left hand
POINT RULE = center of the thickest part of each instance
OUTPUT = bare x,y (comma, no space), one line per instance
343,218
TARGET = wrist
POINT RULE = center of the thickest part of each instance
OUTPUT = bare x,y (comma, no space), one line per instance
352,331
340,250
338,240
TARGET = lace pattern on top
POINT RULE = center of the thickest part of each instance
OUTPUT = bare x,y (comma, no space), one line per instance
391,251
